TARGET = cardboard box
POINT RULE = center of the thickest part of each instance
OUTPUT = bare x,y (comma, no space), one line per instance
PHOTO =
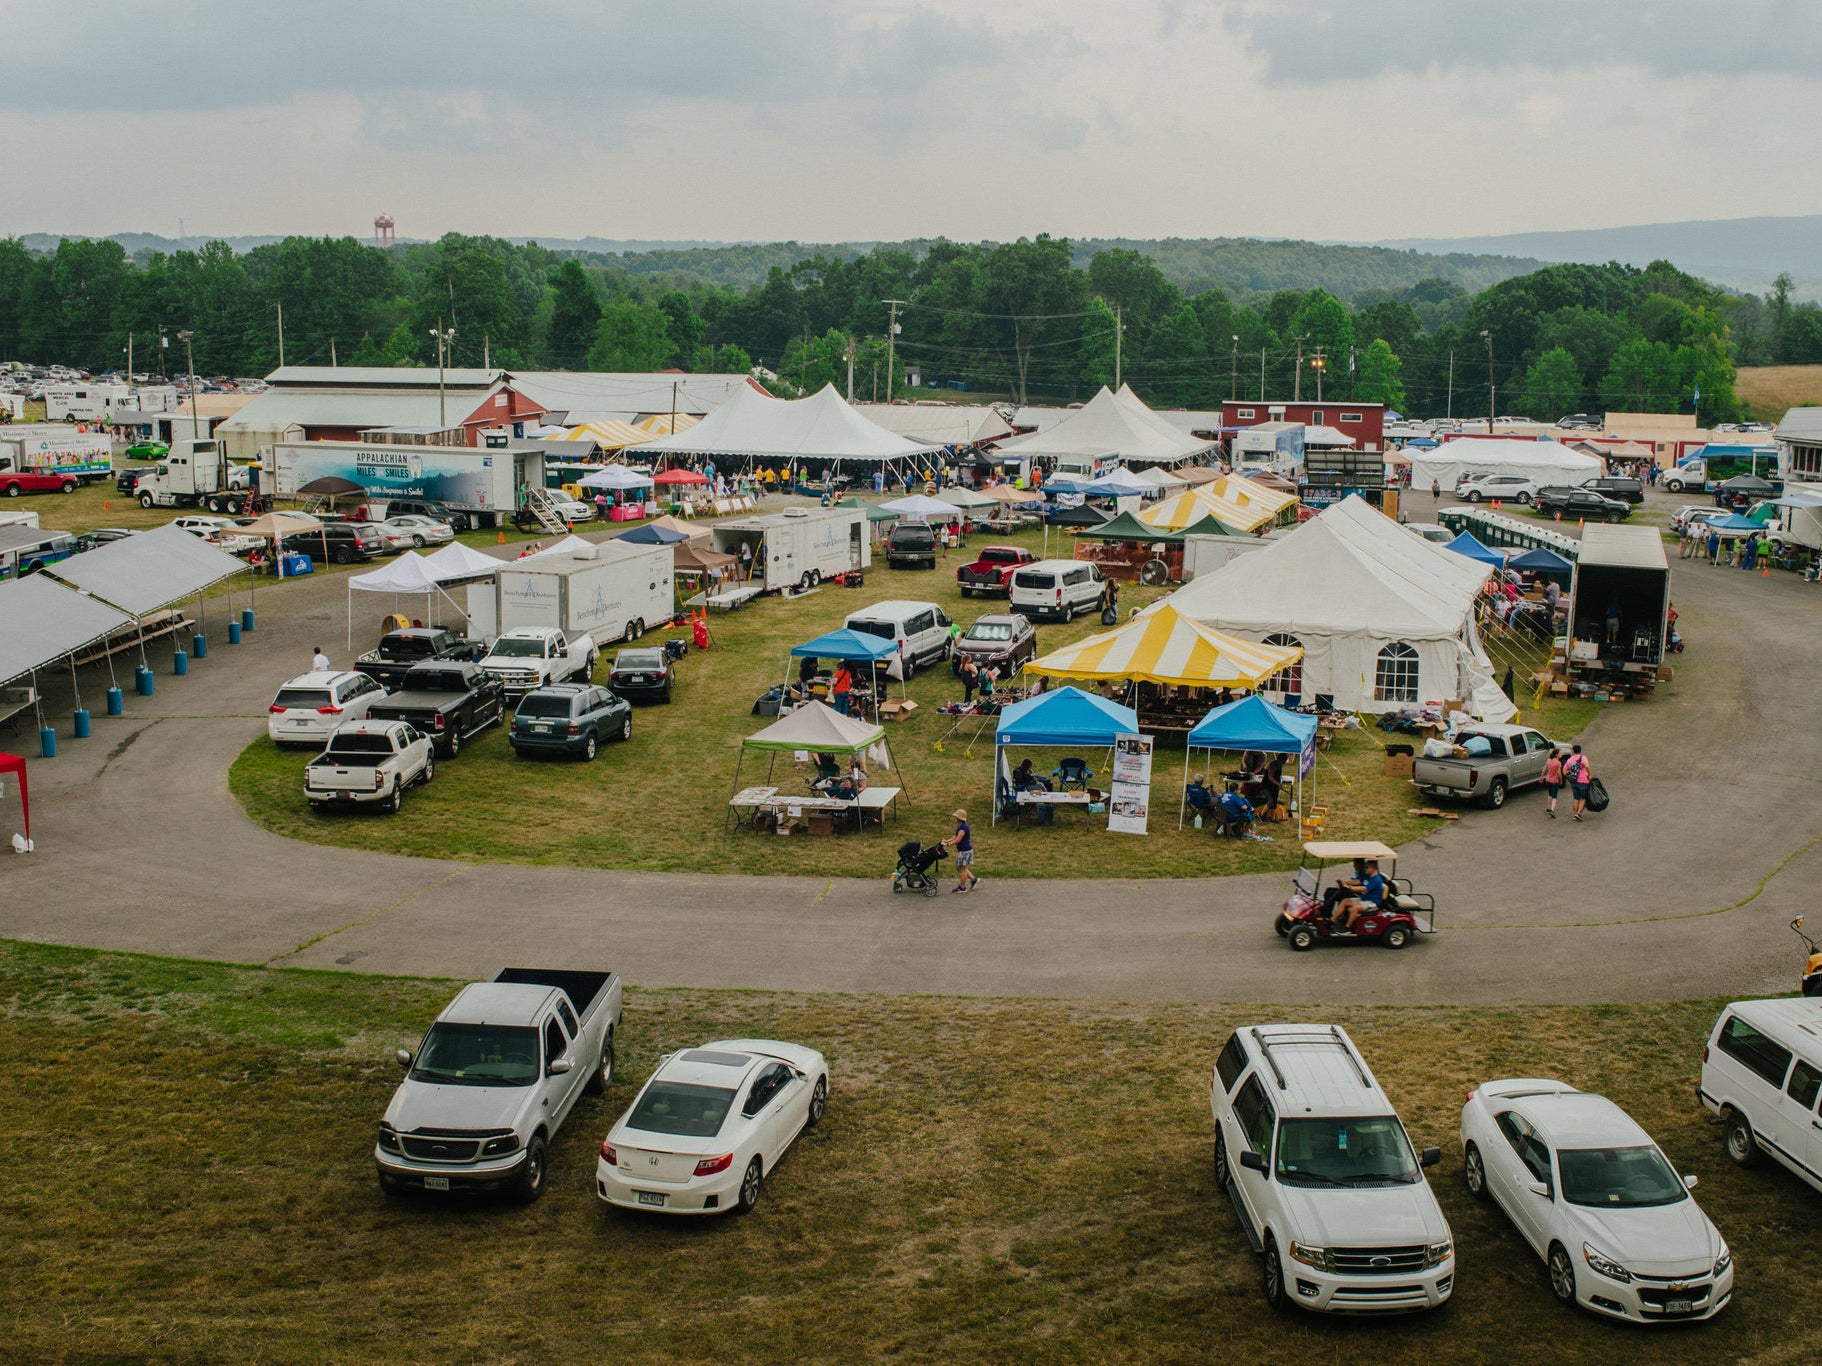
1666,672
1559,690
1399,765
821,822
898,709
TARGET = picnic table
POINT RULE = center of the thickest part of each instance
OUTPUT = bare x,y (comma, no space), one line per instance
1050,799
758,801
12,702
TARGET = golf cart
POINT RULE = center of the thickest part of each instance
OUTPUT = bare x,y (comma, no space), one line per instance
1307,917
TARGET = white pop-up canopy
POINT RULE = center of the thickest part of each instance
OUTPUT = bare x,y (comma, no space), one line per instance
46,621
409,573
752,425
456,561
1546,462
615,477
920,505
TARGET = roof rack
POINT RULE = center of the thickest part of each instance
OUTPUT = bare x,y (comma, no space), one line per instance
1332,1035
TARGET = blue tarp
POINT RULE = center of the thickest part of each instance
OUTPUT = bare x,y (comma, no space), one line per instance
1254,723
1466,544
1540,561
1119,484
648,534
1067,716
1067,485
846,645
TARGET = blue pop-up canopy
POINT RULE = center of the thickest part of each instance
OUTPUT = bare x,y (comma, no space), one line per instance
1467,544
1066,718
1252,723
1540,561
649,533
846,644
1733,524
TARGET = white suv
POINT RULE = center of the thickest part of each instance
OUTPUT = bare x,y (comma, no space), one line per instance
1503,488
1323,1177
309,708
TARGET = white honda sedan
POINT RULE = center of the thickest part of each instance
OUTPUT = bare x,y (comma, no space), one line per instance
1596,1199
409,531
711,1125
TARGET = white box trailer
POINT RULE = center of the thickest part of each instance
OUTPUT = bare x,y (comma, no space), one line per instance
484,483
84,402
1205,554
610,591
51,448
799,547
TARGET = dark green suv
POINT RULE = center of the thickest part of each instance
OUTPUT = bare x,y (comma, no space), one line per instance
569,718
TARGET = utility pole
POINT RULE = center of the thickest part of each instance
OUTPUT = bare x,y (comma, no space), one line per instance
486,352
1297,384
1490,392
1450,411
851,345
444,338
673,430
1319,364
163,346
129,360
1119,335
281,336
1233,371
332,361
1262,374
892,344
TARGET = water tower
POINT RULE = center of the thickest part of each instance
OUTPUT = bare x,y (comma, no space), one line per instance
382,231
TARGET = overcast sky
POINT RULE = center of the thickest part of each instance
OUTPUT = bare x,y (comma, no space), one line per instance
705,119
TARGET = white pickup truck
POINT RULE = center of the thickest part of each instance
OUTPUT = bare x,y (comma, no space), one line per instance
494,1079
1515,757
369,761
529,657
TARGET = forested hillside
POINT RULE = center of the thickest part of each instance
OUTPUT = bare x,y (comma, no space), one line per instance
1036,320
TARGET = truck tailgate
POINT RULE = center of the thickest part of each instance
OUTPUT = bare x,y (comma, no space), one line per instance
1453,774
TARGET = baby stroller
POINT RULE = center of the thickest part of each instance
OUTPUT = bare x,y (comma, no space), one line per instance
915,864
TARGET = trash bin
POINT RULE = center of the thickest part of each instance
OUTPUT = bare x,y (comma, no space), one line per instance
47,743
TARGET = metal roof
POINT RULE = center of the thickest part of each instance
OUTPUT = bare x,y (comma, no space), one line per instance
1801,424
381,377
590,396
1628,547
367,409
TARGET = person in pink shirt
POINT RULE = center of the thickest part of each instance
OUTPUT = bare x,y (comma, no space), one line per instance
1553,781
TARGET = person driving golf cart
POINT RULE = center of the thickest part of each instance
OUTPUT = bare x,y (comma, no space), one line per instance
1365,901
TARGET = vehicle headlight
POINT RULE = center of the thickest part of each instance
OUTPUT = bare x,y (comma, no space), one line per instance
388,1139
1317,1257
1607,1267
1725,1261
497,1147
1438,1253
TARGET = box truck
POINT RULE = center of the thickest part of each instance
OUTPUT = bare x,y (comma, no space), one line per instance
799,547
609,591
44,448
84,402
485,484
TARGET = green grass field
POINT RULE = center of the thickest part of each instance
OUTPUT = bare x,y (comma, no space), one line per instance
188,1148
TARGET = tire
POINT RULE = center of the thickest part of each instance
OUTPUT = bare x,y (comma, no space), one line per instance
430,769
342,555
910,668
1496,794
145,499
1282,925
1222,1172
1302,939
1738,1139
453,745
1474,1173
395,800
626,729
816,578
667,697
750,1183
417,541
603,1075
528,1185
803,582
1562,1274
1398,936
1614,518
1473,495
1812,986
631,633
70,486
588,748
1524,499
819,1102
1271,1277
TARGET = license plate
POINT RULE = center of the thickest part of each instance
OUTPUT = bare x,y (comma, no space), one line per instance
652,1197
542,730
436,1183
1679,1306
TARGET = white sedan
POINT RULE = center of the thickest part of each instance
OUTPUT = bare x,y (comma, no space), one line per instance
710,1125
1597,1200
410,531
220,532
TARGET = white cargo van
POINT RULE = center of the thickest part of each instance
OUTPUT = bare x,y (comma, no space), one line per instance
1323,1177
921,630
1762,1074
1058,589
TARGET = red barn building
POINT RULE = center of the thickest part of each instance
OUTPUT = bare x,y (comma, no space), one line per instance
1364,423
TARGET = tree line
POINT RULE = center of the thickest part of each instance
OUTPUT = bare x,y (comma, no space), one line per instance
1032,320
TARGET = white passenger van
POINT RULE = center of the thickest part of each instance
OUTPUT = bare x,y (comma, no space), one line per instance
920,629
1058,589
1762,1074
1323,1177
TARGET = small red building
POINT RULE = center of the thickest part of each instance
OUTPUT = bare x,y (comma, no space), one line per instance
1363,422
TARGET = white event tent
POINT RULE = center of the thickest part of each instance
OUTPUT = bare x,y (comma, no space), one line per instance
1546,462
1384,617
754,426
1107,425
409,573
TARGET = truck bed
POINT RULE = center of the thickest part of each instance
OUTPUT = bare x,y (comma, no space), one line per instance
584,989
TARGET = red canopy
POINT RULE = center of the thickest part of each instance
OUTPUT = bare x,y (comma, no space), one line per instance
679,477
12,763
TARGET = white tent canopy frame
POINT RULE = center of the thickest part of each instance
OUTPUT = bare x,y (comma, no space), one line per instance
404,575
816,727
1546,462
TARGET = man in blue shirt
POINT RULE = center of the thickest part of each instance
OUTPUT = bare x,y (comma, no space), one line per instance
1372,893
1236,813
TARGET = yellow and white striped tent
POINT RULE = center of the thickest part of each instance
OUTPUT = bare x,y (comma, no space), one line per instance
1164,646
609,436
1179,510
1248,492
665,424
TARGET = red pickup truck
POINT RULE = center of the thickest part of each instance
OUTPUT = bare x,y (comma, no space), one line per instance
991,572
15,481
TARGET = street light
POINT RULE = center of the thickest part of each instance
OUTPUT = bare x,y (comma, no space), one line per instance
1490,390
443,339
1233,378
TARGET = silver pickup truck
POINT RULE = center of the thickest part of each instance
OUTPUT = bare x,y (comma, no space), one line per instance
495,1078
1516,758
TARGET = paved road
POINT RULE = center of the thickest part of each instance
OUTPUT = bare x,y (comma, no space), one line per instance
1682,889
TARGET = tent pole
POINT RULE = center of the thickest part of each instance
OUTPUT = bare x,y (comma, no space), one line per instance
903,790
350,611
1183,801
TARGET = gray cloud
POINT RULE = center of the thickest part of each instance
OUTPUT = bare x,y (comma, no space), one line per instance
1316,41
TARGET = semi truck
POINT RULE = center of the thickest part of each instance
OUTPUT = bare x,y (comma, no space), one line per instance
45,448
487,484
610,591
799,547
195,474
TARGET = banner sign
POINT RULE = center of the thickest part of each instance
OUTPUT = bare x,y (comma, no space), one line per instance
1129,801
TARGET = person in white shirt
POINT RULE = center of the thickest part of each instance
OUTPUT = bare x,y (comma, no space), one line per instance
319,662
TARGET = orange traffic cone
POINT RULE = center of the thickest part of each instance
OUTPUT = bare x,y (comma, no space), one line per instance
502,538
104,505
1765,573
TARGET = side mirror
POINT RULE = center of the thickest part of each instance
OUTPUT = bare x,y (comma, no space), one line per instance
404,1057
1252,1161
1689,1182
1539,1188
558,1067
1429,1157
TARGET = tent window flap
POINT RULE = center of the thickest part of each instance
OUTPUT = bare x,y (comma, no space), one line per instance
1395,674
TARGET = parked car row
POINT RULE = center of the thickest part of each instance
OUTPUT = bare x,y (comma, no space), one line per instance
1518,488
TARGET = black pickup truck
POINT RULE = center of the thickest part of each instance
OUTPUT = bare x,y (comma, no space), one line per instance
448,700
400,651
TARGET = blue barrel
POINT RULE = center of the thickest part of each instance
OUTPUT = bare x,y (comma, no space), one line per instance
234,633
82,723
199,646
246,619
47,743
116,702
180,663
143,681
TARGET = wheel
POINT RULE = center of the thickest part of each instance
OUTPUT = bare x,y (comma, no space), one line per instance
1302,939
1562,1275
910,668
417,541
145,499
803,582
1271,1276
1474,1172
342,555
603,1076
1675,485
529,1184
70,486
931,889
430,770
626,729
1812,986
1473,495
453,745
1616,517
234,506
631,633
819,1101
816,578
1525,499
1221,1169
1282,925
1398,936
395,800
1742,1147
749,1187
1496,794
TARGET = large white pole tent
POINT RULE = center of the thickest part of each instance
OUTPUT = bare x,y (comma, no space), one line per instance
1106,428
753,426
1546,462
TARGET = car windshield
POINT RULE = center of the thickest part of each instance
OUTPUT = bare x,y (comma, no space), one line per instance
1619,1178
544,706
675,1107
882,629
639,659
1345,1152
518,649
990,630
299,698
478,1055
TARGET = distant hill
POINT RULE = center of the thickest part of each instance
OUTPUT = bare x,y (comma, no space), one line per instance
1742,253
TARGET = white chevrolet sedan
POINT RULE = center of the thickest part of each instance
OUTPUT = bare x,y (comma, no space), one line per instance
1597,1200
711,1125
